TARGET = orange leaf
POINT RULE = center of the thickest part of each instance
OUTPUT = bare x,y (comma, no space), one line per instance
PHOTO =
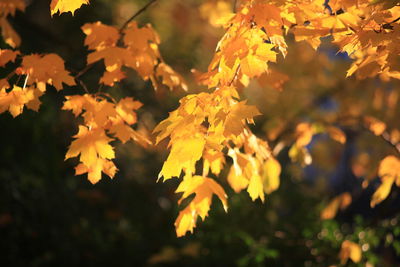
15,100
100,36
46,69
7,55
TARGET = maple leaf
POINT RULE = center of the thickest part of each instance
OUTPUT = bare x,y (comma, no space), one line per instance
66,6
185,152
94,171
255,63
111,77
203,188
96,113
15,100
121,130
94,149
169,78
45,69
234,123
100,36
246,173
140,39
7,55
35,103
126,109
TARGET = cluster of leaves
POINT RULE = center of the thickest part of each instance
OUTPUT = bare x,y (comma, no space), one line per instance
210,129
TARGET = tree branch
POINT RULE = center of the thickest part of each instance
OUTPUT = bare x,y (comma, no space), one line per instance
137,14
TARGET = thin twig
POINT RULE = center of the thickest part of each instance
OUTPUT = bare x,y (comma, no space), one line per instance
85,69
82,84
136,14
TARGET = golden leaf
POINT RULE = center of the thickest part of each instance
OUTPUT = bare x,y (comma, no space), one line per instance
93,147
66,5
203,188
350,250
100,36
15,100
271,170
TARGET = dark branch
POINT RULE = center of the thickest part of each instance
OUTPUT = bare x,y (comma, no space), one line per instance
137,14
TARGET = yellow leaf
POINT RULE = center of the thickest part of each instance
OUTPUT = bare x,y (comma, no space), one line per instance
234,123
185,152
350,250
217,12
126,109
238,182
94,171
15,100
256,189
270,175
213,159
203,188
389,172
389,166
66,5
91,144
383,191
253,66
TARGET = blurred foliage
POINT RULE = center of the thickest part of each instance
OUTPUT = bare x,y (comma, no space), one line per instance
48,217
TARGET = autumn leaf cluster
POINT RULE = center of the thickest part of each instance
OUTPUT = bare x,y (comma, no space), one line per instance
210,131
